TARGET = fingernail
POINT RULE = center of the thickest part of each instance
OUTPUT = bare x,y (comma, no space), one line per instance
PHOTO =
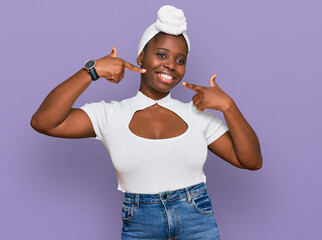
143,70
184,83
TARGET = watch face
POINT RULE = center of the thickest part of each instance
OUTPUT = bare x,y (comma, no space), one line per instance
89,64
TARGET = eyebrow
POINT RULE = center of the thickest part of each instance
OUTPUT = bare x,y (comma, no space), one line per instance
169,51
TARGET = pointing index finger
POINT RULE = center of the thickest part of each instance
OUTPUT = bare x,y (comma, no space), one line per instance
191,86
134,68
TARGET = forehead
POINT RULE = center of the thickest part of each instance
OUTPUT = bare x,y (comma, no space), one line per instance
170,42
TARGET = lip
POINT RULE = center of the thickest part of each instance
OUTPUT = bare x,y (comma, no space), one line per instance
164,79
166,72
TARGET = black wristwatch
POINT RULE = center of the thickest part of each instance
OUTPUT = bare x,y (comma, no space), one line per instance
90,67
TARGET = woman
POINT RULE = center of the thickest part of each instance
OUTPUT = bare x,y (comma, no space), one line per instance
158,145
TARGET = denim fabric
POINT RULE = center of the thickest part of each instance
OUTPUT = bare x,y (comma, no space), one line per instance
185,213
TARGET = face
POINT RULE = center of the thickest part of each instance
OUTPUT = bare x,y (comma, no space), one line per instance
164,59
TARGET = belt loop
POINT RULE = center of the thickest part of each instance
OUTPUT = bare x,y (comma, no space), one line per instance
188,194
137,200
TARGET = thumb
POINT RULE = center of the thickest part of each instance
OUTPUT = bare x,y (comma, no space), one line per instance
212,81
113,53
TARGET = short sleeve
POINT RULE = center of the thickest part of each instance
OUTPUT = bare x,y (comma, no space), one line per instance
98,114
215,129
212,126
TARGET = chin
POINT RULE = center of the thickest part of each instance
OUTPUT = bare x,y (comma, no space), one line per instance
163,90
164,87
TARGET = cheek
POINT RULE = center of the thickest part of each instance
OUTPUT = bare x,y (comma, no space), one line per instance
149,63
182,71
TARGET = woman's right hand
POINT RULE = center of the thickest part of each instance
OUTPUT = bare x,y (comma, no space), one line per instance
112,68
56,117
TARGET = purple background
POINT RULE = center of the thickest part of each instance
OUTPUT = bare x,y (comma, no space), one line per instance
267,55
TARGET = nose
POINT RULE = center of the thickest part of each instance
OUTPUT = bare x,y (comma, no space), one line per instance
169,64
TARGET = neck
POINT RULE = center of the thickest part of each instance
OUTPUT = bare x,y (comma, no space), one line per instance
152,93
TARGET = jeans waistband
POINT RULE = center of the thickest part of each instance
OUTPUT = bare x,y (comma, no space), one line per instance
187,192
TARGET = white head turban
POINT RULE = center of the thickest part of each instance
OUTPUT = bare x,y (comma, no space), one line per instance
170,20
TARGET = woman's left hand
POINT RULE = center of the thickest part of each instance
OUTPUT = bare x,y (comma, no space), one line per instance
212,97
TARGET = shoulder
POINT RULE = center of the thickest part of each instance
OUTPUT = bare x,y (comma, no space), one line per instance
199,114
100,105
203,117
183,105
190,110
188,106
125,102
103,107
115,104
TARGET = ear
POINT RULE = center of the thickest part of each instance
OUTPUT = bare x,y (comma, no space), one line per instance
140,58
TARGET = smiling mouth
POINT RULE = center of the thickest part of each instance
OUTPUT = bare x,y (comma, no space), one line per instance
165,77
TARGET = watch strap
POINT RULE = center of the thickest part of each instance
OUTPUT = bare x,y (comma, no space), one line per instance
93,74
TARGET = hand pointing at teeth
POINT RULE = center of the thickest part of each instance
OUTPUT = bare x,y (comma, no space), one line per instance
212,97
113,68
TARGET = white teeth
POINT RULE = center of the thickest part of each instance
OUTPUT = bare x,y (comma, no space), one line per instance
166,76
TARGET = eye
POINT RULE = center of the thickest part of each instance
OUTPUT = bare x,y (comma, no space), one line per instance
180,61
161,55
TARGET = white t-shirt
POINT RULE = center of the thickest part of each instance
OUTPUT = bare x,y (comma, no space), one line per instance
154,165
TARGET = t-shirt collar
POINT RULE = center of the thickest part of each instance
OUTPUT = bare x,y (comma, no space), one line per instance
142,101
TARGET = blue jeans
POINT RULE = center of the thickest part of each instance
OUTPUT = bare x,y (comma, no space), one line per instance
185,213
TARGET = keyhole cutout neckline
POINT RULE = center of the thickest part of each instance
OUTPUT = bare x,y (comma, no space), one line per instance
144,108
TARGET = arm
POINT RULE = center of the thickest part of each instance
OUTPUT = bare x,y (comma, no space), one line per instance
56,117
239,146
